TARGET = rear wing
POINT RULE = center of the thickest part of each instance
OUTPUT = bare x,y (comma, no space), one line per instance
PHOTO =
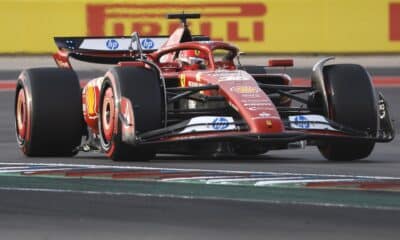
108,49
108,43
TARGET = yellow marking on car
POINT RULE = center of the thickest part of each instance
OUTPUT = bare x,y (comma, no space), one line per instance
182,79
91,100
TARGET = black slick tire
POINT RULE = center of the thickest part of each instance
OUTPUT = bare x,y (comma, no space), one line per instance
48,112
352,103
142,87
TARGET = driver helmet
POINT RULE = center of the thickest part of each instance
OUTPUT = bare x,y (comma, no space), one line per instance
191,57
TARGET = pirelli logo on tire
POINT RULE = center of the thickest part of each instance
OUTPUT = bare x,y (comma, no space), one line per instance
233,22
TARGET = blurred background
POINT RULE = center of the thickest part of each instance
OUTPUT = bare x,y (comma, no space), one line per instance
257,27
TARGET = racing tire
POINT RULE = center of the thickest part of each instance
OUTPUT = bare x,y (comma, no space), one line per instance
48,112
352,103
142,88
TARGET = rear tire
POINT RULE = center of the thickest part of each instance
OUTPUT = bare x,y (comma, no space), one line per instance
142,87
48,112
352,102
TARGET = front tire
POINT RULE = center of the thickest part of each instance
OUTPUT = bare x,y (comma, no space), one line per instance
143,90
352,103
48,112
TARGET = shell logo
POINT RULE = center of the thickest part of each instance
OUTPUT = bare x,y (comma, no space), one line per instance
245,89
91,101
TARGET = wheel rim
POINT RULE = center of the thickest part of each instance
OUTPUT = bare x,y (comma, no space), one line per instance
21,115
108,115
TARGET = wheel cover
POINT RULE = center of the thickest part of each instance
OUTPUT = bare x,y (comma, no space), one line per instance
21,115
108,115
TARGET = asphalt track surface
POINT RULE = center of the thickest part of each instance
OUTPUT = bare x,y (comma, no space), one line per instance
66,215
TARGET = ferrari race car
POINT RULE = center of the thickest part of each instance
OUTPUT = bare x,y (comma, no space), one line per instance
187,94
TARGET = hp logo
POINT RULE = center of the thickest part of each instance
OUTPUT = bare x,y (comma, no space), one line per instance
220,123
302,122
112,44
147,43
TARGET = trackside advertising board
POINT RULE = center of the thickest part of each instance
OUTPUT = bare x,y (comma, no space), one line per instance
256,26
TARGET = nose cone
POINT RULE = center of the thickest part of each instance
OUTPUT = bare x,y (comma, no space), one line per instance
253,104
255,107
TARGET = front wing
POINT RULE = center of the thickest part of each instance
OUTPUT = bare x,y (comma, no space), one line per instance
323,131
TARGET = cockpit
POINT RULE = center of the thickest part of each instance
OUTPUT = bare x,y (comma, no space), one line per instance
207,55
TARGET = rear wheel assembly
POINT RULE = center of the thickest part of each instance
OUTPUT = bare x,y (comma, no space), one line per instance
48,112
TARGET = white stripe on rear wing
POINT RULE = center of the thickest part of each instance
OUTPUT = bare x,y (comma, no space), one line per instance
113,43
121,44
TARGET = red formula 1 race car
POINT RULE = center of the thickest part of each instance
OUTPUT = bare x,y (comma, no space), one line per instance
187,94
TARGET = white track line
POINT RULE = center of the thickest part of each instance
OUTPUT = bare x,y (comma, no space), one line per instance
91,166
